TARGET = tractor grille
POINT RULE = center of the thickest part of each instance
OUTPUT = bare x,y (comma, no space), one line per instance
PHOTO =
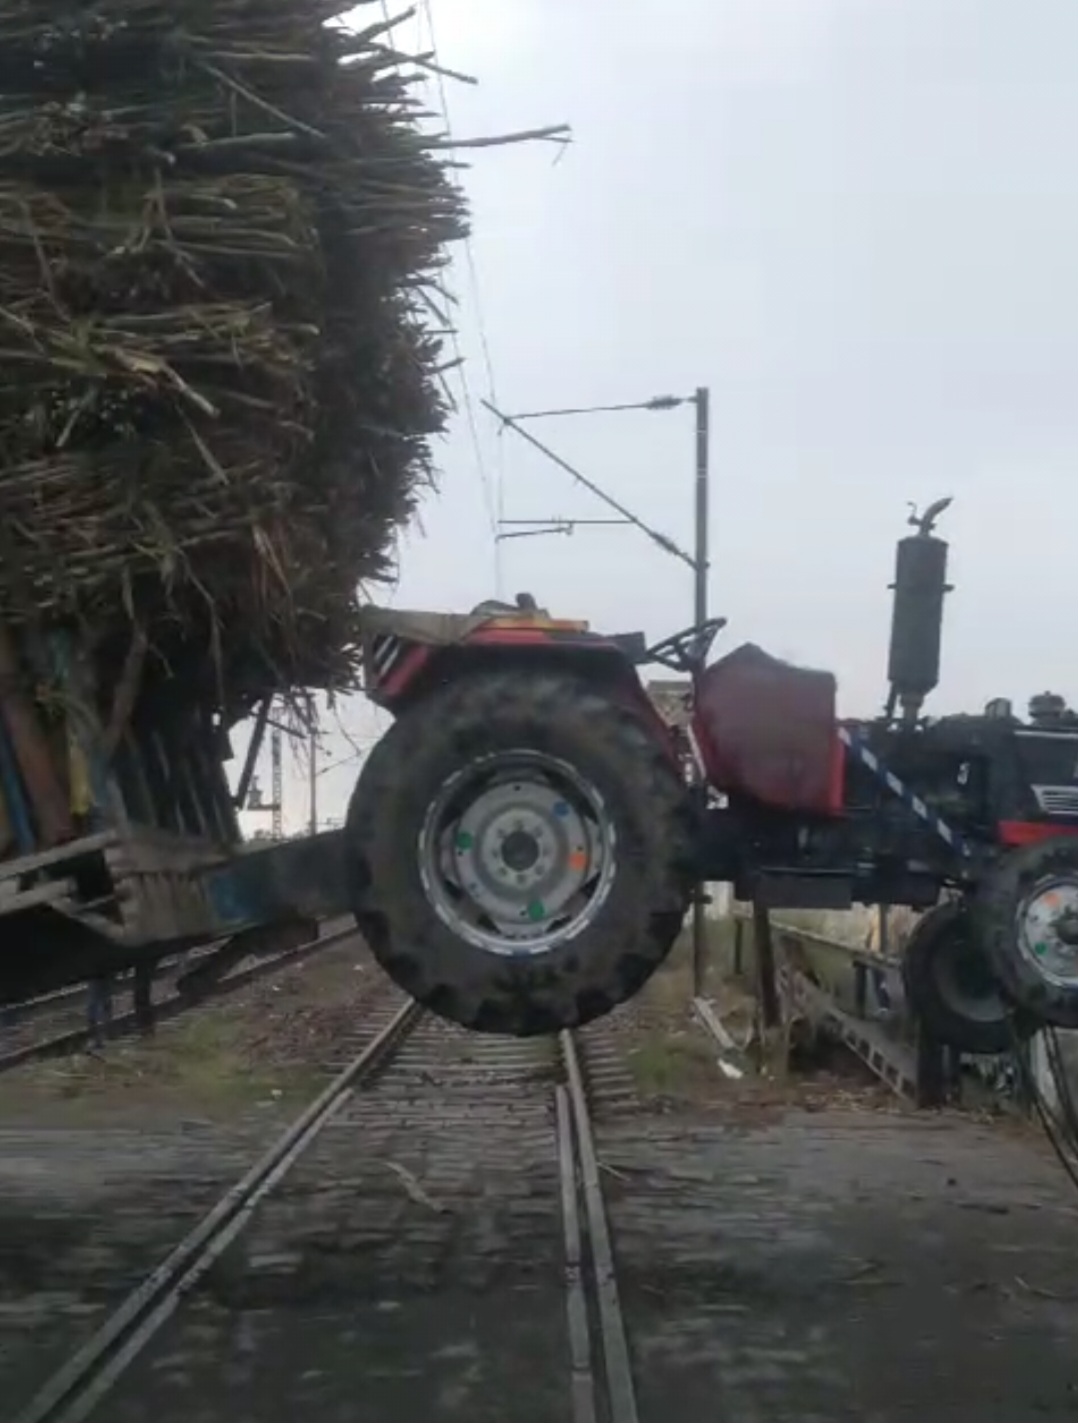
1057,800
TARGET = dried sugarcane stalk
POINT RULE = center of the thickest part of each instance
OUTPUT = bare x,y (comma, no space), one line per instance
216,387
126,694
47,799
222,233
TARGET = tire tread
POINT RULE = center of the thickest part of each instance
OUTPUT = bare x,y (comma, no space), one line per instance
498,995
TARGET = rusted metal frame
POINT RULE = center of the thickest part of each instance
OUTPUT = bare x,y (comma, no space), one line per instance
766,979
186,751
178,793
44,791
15,802
125,697
225,819
931,1076
134,786
258,735
165,811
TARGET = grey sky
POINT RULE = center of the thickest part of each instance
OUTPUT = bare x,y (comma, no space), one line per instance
857,221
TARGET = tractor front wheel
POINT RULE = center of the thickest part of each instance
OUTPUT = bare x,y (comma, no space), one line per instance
522,852
950,985
1027,918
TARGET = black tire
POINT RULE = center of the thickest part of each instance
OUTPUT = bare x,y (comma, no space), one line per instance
646,802
1017,874
951,987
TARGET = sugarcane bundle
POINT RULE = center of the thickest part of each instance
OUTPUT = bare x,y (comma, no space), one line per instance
219,224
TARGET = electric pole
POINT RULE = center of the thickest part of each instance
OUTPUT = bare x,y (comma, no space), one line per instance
702,400
312,769
277,785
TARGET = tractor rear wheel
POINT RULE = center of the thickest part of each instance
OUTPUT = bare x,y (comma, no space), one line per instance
950,985
522,851
1027,918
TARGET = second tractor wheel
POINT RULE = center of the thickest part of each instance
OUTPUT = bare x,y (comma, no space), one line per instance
1027,915
950,985
522,850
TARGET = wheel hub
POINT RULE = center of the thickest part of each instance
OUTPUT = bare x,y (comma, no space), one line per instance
1048,930
515,853
521,851
965,983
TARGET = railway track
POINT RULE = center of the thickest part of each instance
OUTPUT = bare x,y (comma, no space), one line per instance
22,1041
433,1155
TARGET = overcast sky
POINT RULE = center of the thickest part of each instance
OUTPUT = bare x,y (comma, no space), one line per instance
857,222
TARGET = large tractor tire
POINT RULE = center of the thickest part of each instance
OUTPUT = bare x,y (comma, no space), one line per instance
1027,918
522,850
950,985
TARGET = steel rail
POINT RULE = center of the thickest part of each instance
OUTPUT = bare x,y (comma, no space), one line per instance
177,1004
621,1406
600,1367
75,1390
582,1376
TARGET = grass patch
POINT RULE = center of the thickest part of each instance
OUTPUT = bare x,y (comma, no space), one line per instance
670,1054
199,1067
208,1059
673,1064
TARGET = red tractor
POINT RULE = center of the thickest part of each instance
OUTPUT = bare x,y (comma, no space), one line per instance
525,841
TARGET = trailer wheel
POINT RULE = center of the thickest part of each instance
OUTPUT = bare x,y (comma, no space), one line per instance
1027,917
950,985
522,852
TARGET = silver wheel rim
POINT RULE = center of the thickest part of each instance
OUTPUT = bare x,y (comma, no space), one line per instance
517,854
1047,924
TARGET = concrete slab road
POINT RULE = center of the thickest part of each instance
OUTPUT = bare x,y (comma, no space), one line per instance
860,1266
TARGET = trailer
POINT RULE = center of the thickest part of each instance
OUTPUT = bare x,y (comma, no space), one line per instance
221,380
153,863
523,844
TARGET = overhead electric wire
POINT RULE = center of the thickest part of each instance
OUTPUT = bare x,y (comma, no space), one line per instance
469,249
490,499
1062,1129
663,541
1064,1137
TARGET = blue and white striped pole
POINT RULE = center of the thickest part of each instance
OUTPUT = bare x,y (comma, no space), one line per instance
898,788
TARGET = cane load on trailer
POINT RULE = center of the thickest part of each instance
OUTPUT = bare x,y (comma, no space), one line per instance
219,224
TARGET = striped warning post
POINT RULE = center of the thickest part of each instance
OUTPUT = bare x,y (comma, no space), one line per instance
898,788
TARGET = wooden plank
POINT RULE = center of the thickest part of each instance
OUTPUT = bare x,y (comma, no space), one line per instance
43,788
42,859
766,980
853,951
55,892
735,1068
890,1062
